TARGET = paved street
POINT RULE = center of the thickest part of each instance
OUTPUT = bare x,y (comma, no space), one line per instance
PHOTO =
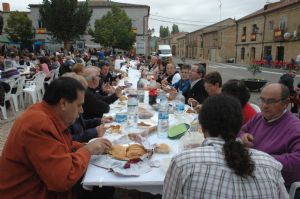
230,71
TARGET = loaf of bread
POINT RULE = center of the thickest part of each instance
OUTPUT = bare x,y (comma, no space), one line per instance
162,148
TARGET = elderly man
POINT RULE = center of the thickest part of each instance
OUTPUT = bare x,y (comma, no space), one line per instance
197,90
276,131
223,167
95,105
39,159
173,76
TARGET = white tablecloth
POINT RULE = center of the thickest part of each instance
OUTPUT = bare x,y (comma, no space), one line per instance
151,182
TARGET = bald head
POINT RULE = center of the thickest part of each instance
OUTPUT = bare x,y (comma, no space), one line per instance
278,89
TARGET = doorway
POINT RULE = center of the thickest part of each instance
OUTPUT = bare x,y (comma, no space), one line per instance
252,54
280,53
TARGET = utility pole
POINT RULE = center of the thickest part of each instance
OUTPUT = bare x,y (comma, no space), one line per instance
220,7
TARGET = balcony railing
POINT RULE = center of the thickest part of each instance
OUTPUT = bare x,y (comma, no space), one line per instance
243,38
278,34
253,37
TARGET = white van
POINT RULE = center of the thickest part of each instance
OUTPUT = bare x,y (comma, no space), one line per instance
164,52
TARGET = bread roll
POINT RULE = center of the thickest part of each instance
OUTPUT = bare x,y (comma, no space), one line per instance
162,148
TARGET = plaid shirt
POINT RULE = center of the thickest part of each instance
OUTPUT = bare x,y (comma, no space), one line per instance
203,173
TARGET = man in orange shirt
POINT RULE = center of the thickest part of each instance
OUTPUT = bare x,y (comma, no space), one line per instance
39,159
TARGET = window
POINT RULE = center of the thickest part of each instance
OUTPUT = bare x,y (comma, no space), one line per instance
271,25
283,22
254,28
243,53
244,30
40,24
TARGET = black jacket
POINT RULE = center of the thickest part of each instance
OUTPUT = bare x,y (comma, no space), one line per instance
197,92
95,105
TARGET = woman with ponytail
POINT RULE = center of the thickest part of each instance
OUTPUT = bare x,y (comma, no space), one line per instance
223,167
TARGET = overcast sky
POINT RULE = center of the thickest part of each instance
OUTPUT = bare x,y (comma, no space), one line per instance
189,15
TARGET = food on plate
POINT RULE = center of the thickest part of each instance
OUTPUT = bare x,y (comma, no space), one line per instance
135,151
190,110
115,128
123,98
132,151
144,114
118,152
143,124
131,161
162,148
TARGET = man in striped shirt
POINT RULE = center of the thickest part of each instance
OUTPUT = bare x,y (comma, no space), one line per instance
223,167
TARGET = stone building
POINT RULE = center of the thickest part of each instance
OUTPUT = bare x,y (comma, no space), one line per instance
215,43
139,15
269,33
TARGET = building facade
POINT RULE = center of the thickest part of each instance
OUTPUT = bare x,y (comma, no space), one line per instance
139,15
271,33
214,43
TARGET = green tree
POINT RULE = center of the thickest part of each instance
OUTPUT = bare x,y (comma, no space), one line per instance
1,24
19,28
164,31
66,20
175,29
114,30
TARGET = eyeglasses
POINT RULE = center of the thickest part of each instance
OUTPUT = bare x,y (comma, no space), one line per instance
269,101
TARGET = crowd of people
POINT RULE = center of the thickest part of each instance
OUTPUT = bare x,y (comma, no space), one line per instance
245,154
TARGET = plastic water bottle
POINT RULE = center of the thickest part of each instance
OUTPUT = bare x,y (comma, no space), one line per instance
163,118
179,105
152,92
132,109
141,91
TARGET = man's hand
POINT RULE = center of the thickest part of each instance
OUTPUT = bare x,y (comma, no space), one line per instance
108,119
172,93
107,88
193,103
247,139
118,92
100,130
98,146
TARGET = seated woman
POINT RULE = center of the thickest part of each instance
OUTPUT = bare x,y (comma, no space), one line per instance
223,167
239,90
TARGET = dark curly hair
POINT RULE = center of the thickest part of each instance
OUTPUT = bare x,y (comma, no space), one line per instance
221,116
238,89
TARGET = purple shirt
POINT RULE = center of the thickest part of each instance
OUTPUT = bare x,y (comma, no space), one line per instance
281,139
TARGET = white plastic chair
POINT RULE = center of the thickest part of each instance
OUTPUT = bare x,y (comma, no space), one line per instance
255,107
8,97
293,188
35,87
18,95
52,75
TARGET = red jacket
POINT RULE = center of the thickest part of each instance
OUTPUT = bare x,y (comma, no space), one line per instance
39,159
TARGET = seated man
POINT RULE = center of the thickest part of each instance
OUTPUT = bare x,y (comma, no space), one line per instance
197,90
183,84
223,167
276,131
212,85
173,76
39,159
95,105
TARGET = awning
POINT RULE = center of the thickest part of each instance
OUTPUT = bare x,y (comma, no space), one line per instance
4,39
39,43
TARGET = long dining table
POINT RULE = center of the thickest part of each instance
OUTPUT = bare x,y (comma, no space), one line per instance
152,181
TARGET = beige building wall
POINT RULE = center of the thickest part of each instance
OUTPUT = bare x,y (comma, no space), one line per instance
265,42
227,43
